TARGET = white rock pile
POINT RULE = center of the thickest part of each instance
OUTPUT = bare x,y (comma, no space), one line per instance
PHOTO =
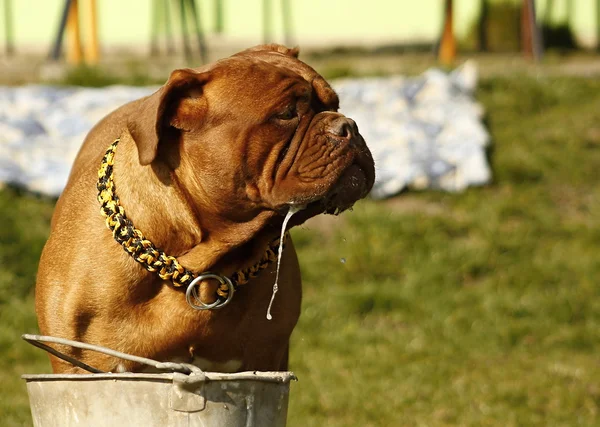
424,132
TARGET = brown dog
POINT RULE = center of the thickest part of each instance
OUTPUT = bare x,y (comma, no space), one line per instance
206,168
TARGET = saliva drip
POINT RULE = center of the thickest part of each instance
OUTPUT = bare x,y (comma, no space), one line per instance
292,210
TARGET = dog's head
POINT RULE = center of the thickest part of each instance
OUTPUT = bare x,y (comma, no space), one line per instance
257,131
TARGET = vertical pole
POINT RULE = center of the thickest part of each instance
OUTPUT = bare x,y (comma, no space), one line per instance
219,22
8,28
73,34
168,28
266,21
286,11
526,36
530,34
154,25
482,26
598,25
184,31
447,52
55,52
570,11
92,50
199,31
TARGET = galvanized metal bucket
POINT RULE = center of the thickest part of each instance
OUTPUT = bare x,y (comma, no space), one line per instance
195,398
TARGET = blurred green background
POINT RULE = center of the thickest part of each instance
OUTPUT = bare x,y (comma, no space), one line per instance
428,309
472,309
313,22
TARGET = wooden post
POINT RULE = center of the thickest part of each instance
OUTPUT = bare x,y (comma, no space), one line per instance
530,34
92,51
447,52
73,34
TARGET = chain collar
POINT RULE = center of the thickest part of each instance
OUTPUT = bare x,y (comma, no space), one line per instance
155,260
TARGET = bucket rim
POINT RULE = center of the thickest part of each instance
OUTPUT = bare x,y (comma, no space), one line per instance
283,377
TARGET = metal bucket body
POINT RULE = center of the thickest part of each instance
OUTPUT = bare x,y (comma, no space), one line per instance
246,399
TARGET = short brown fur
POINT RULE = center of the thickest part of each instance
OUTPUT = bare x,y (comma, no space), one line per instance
206,168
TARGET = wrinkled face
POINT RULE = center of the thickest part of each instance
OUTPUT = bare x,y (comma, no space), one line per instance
263,129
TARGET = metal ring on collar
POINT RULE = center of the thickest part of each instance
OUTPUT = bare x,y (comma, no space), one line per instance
193,298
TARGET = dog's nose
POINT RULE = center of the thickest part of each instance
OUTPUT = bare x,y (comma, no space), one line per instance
343,127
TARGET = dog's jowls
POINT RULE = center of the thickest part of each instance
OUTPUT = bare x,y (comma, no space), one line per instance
206,168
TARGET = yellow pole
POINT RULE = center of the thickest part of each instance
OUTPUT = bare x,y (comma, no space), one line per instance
447,52
73,35
92,50
530,35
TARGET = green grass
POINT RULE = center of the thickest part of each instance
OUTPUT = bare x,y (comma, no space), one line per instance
475,309
24,223
100,77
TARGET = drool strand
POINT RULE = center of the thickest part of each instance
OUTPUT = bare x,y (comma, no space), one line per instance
292,210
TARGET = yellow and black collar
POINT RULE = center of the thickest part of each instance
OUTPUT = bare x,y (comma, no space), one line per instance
154,259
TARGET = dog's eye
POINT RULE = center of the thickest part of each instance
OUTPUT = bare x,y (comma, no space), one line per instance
288,114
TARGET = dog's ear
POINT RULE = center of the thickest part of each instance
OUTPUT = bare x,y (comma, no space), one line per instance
273,47
178,104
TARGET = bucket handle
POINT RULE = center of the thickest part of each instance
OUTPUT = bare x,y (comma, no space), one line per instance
39,340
